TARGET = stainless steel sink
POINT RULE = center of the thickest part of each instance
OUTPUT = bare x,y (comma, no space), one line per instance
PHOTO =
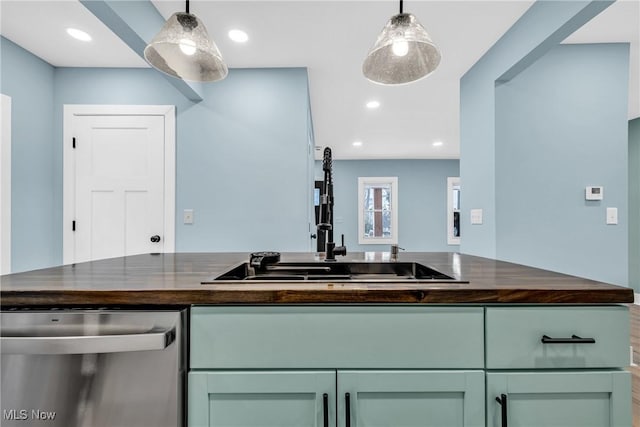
329,271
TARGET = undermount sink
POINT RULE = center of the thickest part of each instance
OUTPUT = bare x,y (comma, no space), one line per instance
295,271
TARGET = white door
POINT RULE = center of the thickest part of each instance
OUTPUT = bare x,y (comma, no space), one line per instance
118,186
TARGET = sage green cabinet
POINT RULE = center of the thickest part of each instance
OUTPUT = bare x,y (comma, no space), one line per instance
560,353
344,337
514,337
319,398
411,398
409,366
559,399
260,399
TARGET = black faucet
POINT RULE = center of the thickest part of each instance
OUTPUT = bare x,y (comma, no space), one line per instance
326,211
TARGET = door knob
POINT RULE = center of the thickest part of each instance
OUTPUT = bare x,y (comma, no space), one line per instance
155,239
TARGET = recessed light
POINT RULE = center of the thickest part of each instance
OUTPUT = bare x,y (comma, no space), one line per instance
357,143
373,104
79,34
438,143
238,36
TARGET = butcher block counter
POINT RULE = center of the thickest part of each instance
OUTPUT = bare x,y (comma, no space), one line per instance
176,280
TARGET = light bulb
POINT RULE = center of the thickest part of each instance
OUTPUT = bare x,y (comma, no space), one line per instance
188,46
400,47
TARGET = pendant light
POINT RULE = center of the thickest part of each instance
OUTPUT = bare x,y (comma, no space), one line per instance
183,49
403,52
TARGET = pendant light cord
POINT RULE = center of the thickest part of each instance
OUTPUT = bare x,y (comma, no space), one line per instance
188,5
400,5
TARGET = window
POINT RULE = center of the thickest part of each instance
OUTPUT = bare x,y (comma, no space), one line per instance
453,210
377,210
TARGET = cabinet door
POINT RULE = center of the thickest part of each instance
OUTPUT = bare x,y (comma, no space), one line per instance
262,399
559,399
411,398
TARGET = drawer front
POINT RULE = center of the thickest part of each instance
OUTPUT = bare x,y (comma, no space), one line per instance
292,337
514,337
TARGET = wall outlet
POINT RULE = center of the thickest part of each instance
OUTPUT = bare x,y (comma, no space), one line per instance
476,216
187,216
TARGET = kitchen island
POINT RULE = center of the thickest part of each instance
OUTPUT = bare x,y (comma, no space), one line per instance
498,343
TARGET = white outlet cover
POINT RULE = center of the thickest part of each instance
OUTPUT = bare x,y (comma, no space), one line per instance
476,216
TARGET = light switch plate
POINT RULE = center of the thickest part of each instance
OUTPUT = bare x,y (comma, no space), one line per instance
187,216
476,216
612,216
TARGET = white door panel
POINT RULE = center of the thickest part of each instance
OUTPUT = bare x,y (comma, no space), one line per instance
119,185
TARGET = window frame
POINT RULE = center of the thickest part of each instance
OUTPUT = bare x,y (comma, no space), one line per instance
451,183
368,181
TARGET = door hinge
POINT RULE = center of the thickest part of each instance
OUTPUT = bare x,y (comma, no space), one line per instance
74,142
73,226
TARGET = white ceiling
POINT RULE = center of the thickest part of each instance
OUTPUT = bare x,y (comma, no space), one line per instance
331,39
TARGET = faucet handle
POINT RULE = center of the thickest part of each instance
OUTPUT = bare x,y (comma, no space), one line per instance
342,249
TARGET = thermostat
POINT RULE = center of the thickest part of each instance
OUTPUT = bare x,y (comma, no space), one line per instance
594,193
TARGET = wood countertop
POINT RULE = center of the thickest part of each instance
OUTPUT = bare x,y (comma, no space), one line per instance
175,280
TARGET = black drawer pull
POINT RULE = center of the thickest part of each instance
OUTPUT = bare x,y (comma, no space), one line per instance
573,340
325,402
347,410
502,400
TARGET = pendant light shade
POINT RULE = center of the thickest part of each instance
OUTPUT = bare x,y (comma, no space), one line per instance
403,52
183,49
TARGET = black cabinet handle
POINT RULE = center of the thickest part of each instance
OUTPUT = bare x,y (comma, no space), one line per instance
502,400
325,408
347,411
155,239
573,340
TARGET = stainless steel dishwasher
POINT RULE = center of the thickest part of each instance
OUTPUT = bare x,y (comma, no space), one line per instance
92,368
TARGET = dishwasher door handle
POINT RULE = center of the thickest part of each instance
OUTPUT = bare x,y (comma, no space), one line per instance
155,339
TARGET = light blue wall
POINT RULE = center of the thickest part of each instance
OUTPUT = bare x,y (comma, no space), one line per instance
530,235
242,153
477,164
634,204
29,82
422,198
243,158
545,24
561,125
